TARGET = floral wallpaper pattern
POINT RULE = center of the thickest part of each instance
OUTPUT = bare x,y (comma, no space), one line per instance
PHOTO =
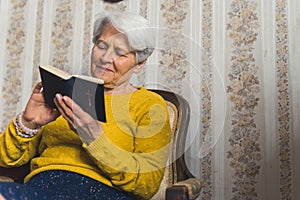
206,99
283,112
141,77
243,89
88,27
62,34
121,6
245,164
143,8
173,61
12,87
37,42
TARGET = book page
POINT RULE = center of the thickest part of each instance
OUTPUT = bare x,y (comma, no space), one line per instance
58,72
90,78
65,75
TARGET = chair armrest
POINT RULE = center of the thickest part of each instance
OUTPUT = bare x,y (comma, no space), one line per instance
17,174
6,179
184,190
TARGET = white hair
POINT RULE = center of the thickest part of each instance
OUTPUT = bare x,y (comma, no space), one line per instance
137,29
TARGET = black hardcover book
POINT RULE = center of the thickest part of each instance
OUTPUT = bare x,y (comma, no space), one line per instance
86,91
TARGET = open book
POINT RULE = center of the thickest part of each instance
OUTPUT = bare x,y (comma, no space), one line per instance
86,91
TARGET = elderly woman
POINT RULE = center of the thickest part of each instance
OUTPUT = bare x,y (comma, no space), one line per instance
72,155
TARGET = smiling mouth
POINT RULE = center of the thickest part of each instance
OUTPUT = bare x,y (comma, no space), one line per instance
104,69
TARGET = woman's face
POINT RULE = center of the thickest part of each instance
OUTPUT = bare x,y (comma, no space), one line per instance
112,60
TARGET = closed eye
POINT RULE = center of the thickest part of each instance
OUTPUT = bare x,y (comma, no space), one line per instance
101,45
121,52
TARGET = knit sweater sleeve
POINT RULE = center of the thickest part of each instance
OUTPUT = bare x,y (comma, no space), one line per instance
16,150
140,169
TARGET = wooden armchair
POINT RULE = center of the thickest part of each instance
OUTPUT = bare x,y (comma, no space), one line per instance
178,182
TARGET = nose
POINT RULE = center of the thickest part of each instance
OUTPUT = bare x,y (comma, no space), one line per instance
108,56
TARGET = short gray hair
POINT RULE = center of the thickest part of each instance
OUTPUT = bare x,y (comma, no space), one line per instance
137,29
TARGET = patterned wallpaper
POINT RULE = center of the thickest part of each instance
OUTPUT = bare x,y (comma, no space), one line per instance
257,158
61,34
206,98
283,102
173,55
243,89
11,88
37,42
88,27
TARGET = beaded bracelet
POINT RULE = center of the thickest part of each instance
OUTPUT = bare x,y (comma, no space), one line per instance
22,130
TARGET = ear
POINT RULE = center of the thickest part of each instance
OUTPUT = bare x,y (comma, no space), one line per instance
139,67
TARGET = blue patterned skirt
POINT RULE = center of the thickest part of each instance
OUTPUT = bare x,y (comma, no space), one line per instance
59,184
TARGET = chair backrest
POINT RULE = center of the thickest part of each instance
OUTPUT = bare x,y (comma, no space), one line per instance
179,114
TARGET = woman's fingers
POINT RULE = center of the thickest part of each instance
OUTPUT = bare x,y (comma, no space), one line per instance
71,111
86,127
38,87
64,110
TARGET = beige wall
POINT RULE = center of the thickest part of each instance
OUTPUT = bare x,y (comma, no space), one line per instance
236,62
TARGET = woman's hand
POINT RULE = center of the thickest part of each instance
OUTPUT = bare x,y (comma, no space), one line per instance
86,127
37,113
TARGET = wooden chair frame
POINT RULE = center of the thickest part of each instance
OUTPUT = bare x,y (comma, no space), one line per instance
184,185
